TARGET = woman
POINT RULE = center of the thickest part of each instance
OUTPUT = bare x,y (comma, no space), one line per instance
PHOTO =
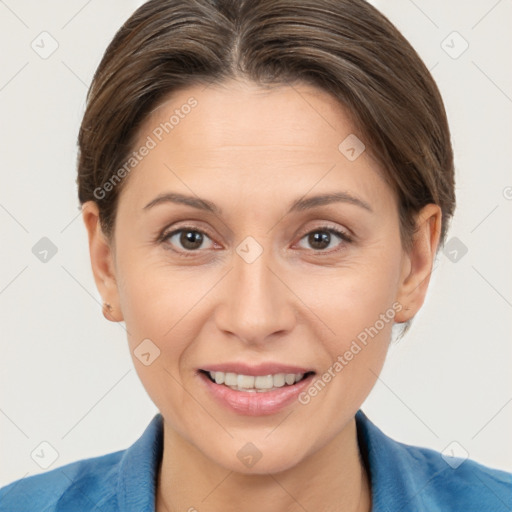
265,185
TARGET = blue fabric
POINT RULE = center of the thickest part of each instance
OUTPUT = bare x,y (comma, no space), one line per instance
404,479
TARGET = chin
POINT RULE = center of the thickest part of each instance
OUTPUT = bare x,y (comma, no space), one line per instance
258,457
270,464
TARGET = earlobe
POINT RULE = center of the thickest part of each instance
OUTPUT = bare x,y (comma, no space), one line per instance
102,262
419,262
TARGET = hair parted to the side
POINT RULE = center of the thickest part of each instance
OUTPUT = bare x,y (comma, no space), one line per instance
345,47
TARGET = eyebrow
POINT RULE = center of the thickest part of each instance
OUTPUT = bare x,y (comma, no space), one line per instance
323,199
195,202
297,206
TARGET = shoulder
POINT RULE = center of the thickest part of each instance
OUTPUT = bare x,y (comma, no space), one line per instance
80,485
421,479
122,480
459,483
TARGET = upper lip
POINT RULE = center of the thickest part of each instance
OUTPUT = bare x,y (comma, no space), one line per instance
255,370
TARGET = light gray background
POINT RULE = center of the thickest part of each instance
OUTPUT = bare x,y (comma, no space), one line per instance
66,377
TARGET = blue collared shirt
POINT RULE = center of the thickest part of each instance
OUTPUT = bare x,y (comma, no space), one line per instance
403,479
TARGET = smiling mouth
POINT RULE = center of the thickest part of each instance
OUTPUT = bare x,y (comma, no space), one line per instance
255,384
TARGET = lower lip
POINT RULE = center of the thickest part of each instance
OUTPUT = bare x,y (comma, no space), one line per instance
255,403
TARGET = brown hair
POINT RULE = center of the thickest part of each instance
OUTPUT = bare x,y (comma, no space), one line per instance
345,47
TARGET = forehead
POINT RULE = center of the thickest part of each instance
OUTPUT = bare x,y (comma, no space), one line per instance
238,132
244,114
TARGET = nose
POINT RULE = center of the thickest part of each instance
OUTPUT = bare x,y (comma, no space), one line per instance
257,304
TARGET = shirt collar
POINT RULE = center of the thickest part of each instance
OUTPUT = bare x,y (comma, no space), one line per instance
397,477
138,470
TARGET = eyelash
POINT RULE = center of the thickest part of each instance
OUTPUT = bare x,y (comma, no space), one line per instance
188,253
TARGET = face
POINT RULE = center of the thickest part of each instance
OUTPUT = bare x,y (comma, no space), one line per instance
276,254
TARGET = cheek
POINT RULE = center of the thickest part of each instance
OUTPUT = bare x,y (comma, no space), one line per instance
358,295
157,305
144,299
359,308
163,304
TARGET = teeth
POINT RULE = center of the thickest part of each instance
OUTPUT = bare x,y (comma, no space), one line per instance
259,383
264,382
279,380
229,379
245,381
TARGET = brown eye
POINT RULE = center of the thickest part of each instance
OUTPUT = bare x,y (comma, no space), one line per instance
191,239
321,239
186,239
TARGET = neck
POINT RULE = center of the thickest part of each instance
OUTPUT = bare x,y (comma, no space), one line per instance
331,479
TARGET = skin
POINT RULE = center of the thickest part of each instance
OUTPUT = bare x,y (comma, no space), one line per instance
252,152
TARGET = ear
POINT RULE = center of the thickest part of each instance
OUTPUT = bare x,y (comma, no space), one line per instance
102,261
418,262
